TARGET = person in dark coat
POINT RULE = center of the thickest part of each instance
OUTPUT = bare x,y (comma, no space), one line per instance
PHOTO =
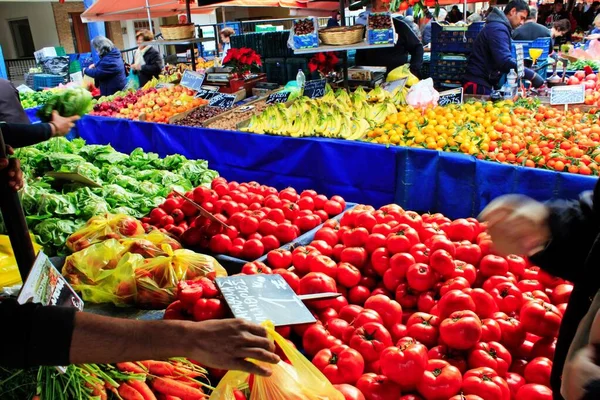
147,60
392,57
109,73
562,238
491,56
334,20
531,30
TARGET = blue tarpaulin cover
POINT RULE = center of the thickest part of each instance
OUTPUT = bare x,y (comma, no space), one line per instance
457,185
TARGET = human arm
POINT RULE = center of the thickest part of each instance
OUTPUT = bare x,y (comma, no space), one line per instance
99,71
153,63
22,135
558,235
499,44
412,44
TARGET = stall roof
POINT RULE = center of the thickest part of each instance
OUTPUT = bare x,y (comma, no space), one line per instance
117,10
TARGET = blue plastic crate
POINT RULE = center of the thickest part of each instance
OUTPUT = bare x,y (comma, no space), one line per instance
541,43
454,39
448,67
41,81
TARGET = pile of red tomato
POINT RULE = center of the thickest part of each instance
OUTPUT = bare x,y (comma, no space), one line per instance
259,217
427,310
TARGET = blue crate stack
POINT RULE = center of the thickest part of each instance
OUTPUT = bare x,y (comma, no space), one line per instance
450,50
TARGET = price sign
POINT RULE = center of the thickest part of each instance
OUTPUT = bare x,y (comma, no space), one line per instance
574,94
222,100
192,80
279,97
520,60
452,96
164,85
315,89
258,298
206,94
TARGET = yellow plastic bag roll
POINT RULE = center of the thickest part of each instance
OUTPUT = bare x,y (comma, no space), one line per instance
298,380
9,272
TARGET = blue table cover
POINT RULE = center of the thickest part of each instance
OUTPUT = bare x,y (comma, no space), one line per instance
423,180
32,114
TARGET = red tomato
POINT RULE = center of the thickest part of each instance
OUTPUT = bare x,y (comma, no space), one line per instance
513,333
538,371
420,252
347,275
485,383
420,277
316,282
441,242
455,300
533,391
366,220
458,283
492,355
490,330
220,244
279,258
461,330
507,296
545,347
427,300
405,364
356,256
256,267
516,265
440,380
399,264
337,327
323,264
290,277
491,265
529,285
465,270
349,392
540,318
424,328
206,309
378,387
469,253
356,237
370,340
561,293
441,261
350,312
332,208
389,310
402,239
358,294
317,338
515,381
465,397
285,232
484,302
453,357
406,296
340,364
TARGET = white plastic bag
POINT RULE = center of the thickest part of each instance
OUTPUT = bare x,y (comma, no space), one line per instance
423,95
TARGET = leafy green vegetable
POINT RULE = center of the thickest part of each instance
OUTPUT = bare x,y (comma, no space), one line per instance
69,102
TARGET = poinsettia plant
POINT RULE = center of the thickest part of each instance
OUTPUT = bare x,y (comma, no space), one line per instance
323,62
242,60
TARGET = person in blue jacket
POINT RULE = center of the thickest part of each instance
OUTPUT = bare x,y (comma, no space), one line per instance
491,56
109,73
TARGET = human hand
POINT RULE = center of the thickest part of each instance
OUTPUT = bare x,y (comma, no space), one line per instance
136,67
225,344
15,175
62,125
91,66
579,371
517,224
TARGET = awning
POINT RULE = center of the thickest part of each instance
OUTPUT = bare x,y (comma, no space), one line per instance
117,10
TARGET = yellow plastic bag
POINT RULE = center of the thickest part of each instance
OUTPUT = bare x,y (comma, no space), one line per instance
299,381
102,227
90,265
9,272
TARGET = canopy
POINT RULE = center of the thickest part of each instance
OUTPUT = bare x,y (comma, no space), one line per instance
117,10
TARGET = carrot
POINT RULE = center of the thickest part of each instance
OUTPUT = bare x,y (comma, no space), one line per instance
160,368
130,367
167,397
129,393
143,388
189,382
175,388
100,391
187,372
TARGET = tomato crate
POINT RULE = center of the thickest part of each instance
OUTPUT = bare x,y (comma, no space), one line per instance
454,39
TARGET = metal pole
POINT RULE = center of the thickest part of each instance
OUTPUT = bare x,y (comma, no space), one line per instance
223,17
188,10
149,17
14,220
345,55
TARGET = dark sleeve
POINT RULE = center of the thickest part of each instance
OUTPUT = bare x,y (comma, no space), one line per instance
574,226
411,43
22,135
499,44
11,109
153,63
592,390
34,335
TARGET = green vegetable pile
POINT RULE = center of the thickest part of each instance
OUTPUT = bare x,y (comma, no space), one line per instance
34,99
68,102
581,64
131,184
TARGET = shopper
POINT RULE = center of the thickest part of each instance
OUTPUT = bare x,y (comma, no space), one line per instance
147,60
491,57
455,15
225,37
560,28
10,104
558,13
531,30
407,44
410,21
22,135
440,19
109,73
596,26
590,15
563,238
334,20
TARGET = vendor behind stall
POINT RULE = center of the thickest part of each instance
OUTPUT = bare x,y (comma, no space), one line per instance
491,57
391,57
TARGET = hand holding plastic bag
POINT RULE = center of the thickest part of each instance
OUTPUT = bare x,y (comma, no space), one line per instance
423,95
298,380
